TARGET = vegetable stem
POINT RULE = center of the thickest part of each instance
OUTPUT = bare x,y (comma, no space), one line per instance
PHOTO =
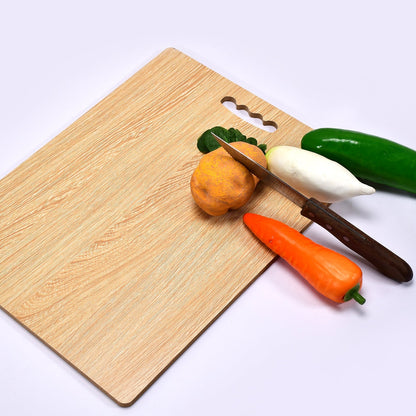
359,298
354,294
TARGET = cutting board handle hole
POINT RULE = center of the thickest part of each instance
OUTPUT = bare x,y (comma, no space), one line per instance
244,113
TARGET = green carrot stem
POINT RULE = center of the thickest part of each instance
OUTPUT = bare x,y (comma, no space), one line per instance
359,298
354,294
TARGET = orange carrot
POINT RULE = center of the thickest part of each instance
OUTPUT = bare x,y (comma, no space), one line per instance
330,273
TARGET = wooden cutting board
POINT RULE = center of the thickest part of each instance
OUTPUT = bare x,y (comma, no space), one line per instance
104,255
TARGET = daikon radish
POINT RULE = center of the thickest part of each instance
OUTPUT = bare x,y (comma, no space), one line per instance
314,175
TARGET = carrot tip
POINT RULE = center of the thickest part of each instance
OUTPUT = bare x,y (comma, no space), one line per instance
248,218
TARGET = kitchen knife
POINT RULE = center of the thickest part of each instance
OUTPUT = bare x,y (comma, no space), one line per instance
381,257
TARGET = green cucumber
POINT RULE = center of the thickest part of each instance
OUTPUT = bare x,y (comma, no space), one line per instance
368,157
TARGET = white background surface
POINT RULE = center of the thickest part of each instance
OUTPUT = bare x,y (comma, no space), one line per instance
281,348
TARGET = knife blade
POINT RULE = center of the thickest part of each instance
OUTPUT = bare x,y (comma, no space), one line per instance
379,256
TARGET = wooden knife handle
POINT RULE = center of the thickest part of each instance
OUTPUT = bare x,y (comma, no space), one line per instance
381,257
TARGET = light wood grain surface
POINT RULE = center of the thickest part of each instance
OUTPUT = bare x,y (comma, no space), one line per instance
103,253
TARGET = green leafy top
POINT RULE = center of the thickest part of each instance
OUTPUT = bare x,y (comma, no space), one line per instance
207,143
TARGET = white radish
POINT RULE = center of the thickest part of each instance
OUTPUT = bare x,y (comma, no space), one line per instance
314,175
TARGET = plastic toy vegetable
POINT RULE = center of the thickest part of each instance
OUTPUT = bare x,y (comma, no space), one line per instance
220,183
314,175
367,157
330,273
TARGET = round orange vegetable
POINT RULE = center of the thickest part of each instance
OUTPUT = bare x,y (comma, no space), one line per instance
330,273
220,183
